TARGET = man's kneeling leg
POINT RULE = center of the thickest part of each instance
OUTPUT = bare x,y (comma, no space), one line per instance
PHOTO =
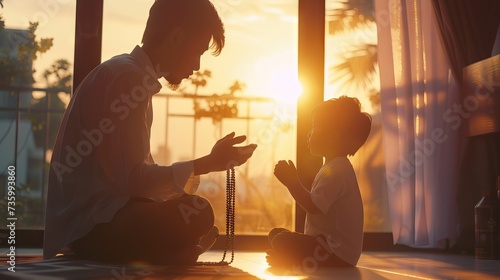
156,232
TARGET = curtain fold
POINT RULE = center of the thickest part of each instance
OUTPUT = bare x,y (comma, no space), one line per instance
468,30
421,132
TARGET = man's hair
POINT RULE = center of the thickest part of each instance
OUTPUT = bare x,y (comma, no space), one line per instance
195,17
343,115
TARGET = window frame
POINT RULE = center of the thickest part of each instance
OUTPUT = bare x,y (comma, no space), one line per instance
311,60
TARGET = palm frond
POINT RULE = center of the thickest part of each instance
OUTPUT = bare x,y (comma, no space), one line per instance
350,15
357,67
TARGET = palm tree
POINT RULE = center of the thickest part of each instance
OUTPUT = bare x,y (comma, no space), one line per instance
358,65
350,15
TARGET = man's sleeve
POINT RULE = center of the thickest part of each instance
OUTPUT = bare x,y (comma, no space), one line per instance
167,181
126,151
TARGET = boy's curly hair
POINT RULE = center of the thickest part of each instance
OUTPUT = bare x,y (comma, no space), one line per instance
343,115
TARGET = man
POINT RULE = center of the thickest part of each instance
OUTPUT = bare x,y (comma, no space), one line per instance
107,199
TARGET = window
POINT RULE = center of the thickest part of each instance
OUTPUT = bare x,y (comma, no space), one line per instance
351,69
251,88
36,50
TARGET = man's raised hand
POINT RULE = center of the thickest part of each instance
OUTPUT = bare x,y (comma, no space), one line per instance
225,154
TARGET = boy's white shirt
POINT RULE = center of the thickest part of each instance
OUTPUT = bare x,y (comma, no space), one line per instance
335,192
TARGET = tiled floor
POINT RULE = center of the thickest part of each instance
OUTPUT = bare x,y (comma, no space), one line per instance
377,266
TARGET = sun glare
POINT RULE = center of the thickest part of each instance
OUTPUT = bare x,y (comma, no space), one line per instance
285,86
275,76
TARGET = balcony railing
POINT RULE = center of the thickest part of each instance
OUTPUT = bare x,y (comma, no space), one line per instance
30,118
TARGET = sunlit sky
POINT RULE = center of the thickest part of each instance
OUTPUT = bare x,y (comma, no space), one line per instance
261,42
260,51
261,48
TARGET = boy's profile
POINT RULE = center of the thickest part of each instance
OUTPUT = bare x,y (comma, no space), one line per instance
334,209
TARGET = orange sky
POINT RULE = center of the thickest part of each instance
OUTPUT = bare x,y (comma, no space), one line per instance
261,48
260,51
261,40
250,55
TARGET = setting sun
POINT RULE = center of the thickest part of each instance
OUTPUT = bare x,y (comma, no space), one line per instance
275,76
285,85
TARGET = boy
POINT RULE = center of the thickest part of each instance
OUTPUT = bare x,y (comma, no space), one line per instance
334,210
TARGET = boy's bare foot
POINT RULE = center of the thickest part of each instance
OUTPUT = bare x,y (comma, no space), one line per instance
276,259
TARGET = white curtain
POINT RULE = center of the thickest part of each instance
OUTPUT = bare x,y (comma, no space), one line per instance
421,120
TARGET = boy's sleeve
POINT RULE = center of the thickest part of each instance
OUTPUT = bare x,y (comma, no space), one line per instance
327,188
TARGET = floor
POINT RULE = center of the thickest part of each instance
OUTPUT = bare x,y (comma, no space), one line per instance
376,266
371,266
